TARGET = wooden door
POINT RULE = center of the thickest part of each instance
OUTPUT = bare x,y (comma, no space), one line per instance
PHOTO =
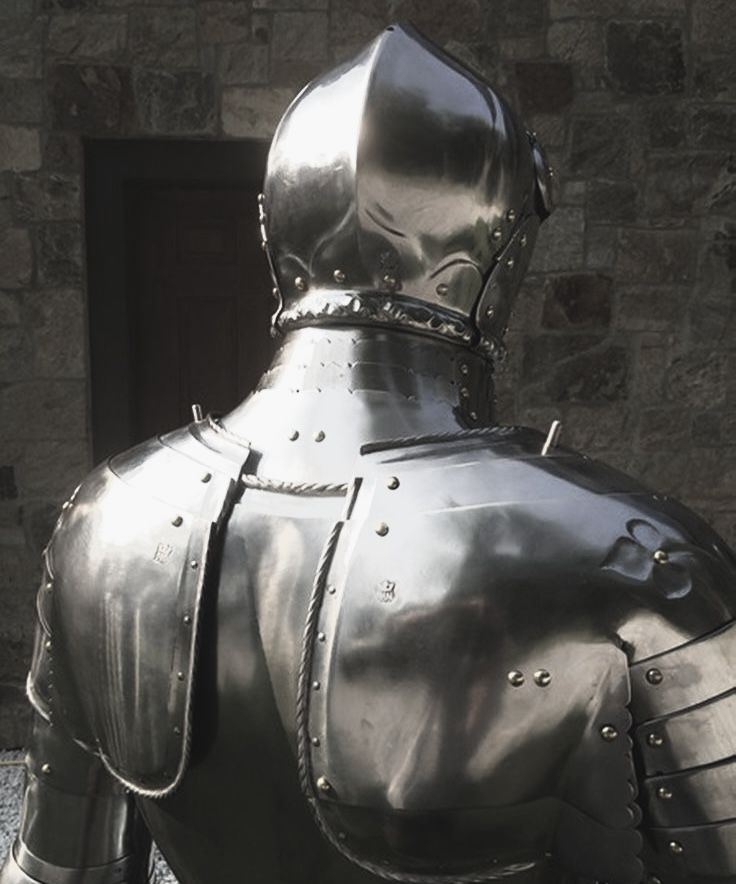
198,299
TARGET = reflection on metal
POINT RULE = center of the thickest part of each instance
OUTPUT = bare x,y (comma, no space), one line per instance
553,437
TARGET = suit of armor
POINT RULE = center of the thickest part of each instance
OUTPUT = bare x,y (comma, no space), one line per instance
353,631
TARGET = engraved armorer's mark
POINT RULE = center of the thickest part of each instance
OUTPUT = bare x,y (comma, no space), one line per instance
386,591
163,553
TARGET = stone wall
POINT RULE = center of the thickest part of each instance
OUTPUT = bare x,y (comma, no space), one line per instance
626,328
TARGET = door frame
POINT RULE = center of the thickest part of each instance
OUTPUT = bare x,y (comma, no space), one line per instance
110,165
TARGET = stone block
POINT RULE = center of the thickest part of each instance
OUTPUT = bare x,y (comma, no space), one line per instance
713,306
697,377
16,258
560,242
713,25
599,375
56,320
253,113
580,43
243,64
39,519
6,203
684,185
544,86
15,354
9,309
664,429
575,302
354,22
431,17
543,353
95,36
299,37
175,104
62,152
714,77
600,246
714,128
91,99
20,148
665,472
605,9
292,4
713,474
527,46
645,58
656,256
601,146
595,428
60,254
224,22
667,124
69,6
611,201
15,716
514,16
163,38
48,409
21,101
14,9
21,48
713,429
651,308
46,196
52,469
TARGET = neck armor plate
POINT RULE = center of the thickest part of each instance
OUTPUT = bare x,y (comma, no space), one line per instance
402,191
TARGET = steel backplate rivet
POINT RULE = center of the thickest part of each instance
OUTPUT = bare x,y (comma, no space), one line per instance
655,741
188,619
316,685
496,233
392,483
319,436
464,393
661,557
206,477
177,731
321,637
654,676
473,415
275,293
332,589
293,435
676,848
338,276
464,369
176,521
609,733
490,312
542,678
48,645
300,283
511,215
510,262
664,793
194,564
46,768
515,678
523,241
381,529
315,741
442,290
49,586
323,784
180,676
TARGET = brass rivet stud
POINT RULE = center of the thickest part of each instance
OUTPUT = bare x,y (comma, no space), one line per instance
321,637
609,733
661,557
300,283
46,768
323,784
319,436
176,521
442,290
381,529
654,676
338,276
392,483
542,678
293,435
496,234
664,793
515,678
676,848
655,741
206,477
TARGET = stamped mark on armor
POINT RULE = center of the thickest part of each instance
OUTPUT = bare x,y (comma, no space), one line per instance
386,591
163,553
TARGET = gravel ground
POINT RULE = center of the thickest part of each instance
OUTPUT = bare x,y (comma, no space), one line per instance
11,787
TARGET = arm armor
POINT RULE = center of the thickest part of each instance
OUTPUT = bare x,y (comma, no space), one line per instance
78,825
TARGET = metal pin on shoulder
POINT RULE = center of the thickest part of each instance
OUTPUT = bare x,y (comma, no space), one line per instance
197,412
553,437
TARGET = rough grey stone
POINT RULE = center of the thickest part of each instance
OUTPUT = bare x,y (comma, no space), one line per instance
663,429
667,125
645,57
651,309
9,309
16,258
543,353
601,146
60,254
697,377
20,148
649,376
299,47
687,184
163,38
15,722
713,305
714,128
21,101
431,17
243,64
577,301
713,24
98,36
43,410
51,468
560,242
354,22
175,104
92,99
15,354
581,44
515,16
598,427
611,201
607,8
713,474
714,78
11,789
600,246
46,196
545,86
713,429
253,113
62,152
600,375
661,256
57,321
224,22
21,48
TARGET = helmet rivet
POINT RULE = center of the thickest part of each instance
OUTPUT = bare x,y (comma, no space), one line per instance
511,215
609,733
293,435
338,276
390,282
473,415
321,637
655,741
392,483
442,290
490,312
205,477
661,557
496,234
275,293
316,685
664,793
300,284
523,240
654,676
324,785
46,768
464,368
515,678
676,848
542,678
315,741
510,262
319,436
177,521
381,529
464,393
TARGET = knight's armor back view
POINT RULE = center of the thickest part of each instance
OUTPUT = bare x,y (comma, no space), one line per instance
352,631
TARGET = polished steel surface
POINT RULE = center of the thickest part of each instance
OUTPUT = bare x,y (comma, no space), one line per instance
402,191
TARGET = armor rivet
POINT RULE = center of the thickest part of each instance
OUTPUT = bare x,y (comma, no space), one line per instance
319,436
48,645
180,676
542,678
664,793
511,215
464,392
294,435
49,586
275,294
661,557
194,564
464,368
321,637
676,848
315,741
655,741
654,676
332,589
188,619
442,290
515,678
301,284
177,731
323,784
523,240
338,276
510,263
316,685
46,768
392,483
474,415
176,521
390,282
609,733
341,835
206,477
496,233
490,312
381,529
653,879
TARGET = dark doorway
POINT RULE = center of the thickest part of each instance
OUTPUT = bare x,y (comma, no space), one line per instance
178,286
